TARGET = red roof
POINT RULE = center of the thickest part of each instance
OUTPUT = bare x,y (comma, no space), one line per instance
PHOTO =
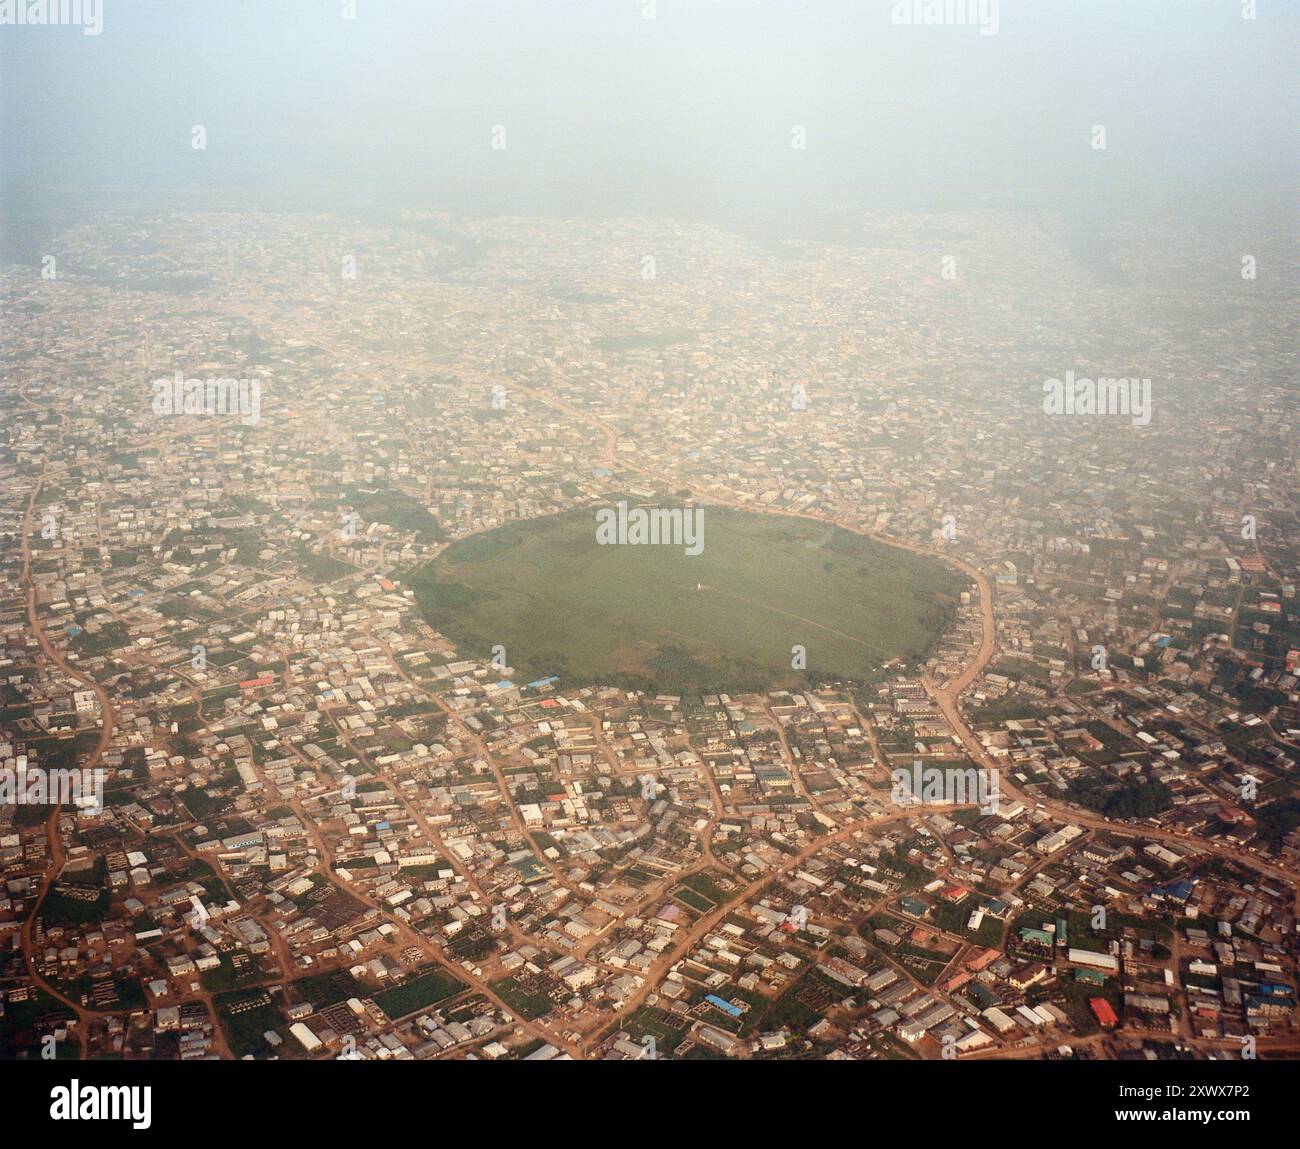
249,683
1105,1015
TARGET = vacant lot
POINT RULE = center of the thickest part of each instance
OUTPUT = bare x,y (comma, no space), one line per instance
651,616
409,997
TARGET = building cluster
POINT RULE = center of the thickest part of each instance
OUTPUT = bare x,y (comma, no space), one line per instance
324,830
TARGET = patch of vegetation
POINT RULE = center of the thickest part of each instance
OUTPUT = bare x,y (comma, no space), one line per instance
653,617
1127,798
420,993
67,905
394,508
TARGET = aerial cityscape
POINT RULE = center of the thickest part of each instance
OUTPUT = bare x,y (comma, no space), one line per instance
432,634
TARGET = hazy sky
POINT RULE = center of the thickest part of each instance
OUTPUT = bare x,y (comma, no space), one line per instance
605,109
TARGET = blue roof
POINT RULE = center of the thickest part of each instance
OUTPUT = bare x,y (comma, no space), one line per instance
1178,891
725,1006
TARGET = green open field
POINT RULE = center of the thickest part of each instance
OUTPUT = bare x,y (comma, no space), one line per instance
424,991
653,617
